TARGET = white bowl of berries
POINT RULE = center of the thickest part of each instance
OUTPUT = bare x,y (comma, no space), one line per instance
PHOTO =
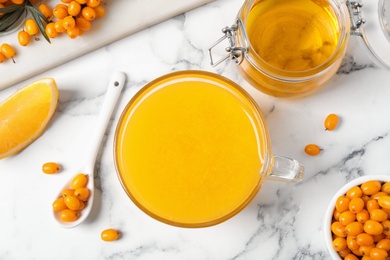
357,221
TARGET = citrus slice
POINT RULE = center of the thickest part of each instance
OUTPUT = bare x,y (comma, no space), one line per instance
25,115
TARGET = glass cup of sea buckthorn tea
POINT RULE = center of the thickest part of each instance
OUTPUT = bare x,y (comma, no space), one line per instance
192,149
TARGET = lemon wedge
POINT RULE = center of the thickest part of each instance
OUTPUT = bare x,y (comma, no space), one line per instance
25,115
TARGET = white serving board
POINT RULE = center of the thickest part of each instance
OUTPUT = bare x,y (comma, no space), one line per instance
123,18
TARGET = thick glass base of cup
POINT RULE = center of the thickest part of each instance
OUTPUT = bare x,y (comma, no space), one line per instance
287,88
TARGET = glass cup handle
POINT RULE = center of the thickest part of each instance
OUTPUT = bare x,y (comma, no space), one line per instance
285,169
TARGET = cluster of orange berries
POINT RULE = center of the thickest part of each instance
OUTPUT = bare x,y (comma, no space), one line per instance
72,17
361,222
330,123
6,50
5,3
73,200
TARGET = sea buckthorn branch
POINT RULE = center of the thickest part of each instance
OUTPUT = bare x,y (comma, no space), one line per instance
39,19
12,13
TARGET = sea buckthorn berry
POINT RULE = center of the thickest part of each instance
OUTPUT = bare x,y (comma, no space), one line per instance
83,24
45,10
109,235
386,187
347,217
23,38
384,244
354,192
371,205
93,3
88,13
68,215
387,211
354,228
59,204
331,122
73,33
81,32
79,181
82,205
356,252
378,215
366,198
312,149
67,192
100,11
82,1
378,238
68,22
51,167
74,8
351,257
51,30
364,239
352,243
345,252
336,214
342,203
384,202
8,51
66,1
386,227
58,25
378,254
339,244
2,57
82,193
379,194
373,227
338,229
365,250
363,216
371,187
17,2
31,27
356,205
72,202
60,11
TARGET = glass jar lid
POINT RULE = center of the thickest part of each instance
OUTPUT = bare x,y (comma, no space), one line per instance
371,22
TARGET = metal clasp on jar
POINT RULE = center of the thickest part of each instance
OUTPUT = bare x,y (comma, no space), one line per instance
354,9
235,35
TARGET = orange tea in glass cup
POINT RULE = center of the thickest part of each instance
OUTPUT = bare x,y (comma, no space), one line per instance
192,149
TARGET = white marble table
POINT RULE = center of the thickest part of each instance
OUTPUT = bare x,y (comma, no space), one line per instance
283,222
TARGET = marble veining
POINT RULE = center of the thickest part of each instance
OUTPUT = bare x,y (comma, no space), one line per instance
283,222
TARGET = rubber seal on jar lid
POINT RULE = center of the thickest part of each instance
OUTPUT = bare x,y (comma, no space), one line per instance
375,32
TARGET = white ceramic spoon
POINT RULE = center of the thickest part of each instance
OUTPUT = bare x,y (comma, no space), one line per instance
113,92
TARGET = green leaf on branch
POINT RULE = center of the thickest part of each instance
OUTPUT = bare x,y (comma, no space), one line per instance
12,13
